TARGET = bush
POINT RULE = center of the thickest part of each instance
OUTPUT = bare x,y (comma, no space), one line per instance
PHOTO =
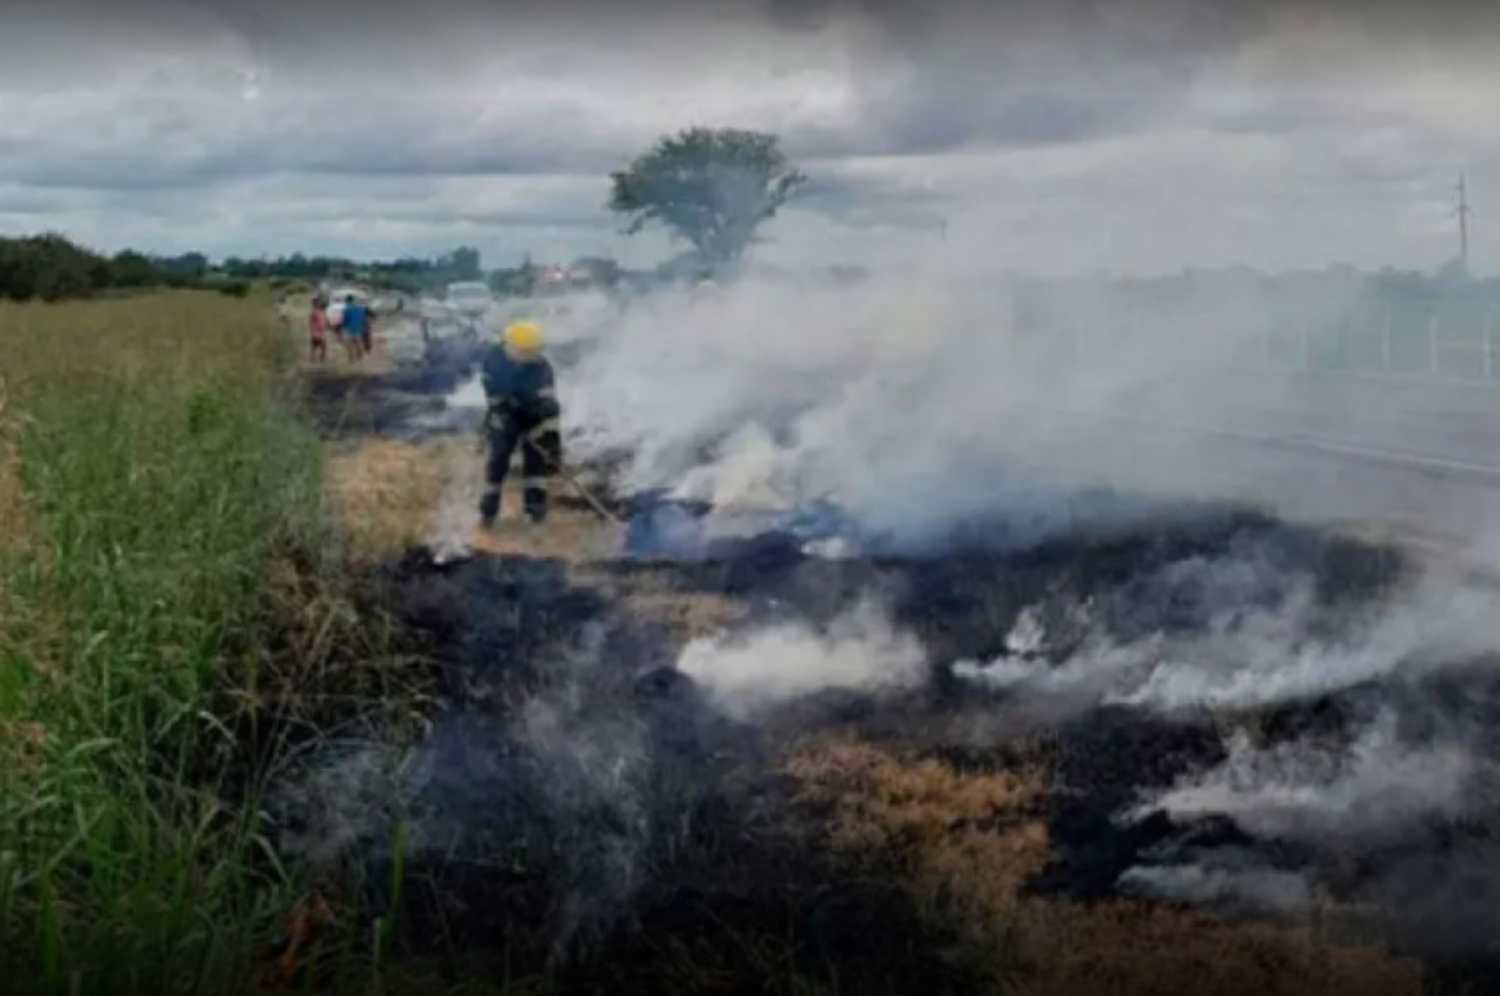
53,268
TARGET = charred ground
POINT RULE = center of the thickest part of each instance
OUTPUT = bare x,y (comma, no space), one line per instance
583,810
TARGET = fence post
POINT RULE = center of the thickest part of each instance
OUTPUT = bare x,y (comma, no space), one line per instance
1489,349
1385,344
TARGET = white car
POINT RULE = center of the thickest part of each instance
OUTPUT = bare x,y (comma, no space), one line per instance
335,309
431,309
470,299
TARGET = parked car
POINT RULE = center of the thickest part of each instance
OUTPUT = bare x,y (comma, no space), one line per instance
470,300
335,309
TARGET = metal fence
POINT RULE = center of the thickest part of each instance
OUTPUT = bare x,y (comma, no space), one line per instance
1447,347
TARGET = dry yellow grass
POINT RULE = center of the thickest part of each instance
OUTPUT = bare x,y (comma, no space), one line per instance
388,494
15,515
374,366
391,495
685,614
973,838
13,509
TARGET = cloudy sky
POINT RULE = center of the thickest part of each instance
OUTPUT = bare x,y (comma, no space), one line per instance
1049,135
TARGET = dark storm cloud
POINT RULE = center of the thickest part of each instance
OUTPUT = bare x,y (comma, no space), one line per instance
1028,73
831,191
287,116
1015,74
405,139
1019,74
558,218
865,200
955,114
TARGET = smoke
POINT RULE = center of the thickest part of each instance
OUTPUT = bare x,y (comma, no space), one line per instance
1357,806
941,388
598,792
1244,647
920,400
562,784
1234,882
1367,792
859,651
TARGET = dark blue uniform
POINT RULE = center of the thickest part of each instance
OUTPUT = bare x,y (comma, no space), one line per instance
523,411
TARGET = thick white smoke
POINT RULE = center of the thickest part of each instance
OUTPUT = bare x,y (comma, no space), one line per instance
770,393
1249,659
743,673
1311,792
936,391
1235,882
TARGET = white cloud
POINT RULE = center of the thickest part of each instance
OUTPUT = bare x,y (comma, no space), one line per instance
1146,135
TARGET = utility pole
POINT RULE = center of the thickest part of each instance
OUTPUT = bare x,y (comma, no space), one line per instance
1464,211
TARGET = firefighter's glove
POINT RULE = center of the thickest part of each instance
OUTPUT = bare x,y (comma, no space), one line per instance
547,439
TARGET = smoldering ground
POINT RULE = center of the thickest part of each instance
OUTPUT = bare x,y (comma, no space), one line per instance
1239,713
597,765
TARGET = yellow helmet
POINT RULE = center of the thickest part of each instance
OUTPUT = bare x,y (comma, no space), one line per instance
523,338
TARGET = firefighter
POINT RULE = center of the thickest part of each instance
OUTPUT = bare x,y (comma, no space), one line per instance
522,410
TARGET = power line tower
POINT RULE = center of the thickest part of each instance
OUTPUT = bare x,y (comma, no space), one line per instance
1464,213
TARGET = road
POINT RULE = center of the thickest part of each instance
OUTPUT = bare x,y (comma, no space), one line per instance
1420,460
1454,423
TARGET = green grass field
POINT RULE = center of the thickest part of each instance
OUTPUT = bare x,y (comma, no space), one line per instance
155,491
176,612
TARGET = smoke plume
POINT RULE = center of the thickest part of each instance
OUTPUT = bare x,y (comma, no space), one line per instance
743,673
1366,792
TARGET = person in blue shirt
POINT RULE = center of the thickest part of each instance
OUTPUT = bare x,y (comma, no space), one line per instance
356,325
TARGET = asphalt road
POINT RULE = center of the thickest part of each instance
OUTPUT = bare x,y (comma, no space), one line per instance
1454,423
1420,460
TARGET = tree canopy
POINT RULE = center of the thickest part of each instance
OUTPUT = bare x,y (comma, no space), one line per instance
710,187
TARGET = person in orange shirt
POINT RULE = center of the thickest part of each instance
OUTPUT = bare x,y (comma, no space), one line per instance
317,327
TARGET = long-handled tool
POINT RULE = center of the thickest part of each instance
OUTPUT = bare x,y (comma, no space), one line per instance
588,496
563,472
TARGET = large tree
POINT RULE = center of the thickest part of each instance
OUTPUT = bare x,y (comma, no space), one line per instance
712,187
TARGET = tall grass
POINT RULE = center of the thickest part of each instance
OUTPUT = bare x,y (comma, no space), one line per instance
150,474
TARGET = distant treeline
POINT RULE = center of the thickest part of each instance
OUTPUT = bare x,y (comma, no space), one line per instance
51,267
